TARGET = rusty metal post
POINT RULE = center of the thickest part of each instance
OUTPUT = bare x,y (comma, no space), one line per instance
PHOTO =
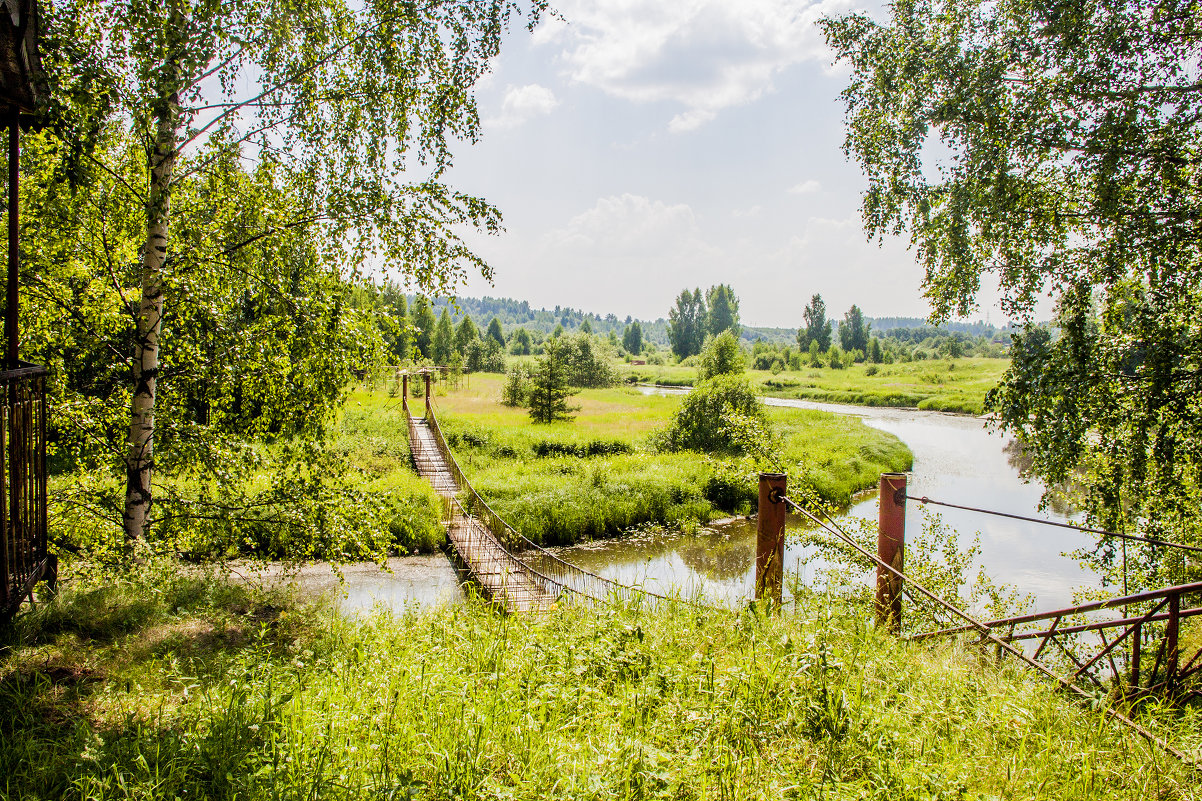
1137,640
426,375
405,392
14,227
1172,631
891,549
770,537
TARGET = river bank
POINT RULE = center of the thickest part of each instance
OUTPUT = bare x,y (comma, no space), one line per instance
956,458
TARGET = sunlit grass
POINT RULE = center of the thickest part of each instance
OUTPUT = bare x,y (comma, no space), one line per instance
177,685
598,475
951,385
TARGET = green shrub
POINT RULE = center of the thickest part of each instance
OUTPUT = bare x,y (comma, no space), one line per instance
721,356
707,416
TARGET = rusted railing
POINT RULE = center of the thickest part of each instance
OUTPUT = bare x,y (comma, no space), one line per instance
23,556
1157,619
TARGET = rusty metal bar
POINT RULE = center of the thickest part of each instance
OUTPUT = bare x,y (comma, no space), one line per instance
12,307
1150,595
23,554
891,550
1049,635
1171,633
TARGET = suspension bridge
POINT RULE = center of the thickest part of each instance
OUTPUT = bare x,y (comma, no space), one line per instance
510,570
520,576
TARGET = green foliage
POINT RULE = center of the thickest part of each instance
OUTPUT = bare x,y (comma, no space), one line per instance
723,310
465,334
853,331
424,326
517,385
443,343
484,356
632,338
495,333
687,323
1067,142
817,328
710,415
721,356
587,360
549,387
521,344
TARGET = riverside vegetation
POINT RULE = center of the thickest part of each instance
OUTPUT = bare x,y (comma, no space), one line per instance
944,385
165,683
600,473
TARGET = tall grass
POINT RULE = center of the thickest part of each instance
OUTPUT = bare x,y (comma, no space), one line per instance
219,692
597,475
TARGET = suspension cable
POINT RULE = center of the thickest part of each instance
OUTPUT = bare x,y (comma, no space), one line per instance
437,429
924,499
986,632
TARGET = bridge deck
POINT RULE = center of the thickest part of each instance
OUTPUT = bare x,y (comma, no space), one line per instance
502,577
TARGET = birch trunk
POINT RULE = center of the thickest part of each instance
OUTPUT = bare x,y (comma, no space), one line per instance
140,456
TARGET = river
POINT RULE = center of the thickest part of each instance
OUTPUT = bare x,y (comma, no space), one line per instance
956,459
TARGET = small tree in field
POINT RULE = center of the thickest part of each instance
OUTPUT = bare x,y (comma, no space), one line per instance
549,388
721,356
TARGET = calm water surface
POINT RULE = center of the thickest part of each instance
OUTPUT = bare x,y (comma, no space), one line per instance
956,458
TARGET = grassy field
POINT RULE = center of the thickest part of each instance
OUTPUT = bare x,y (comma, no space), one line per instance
176,685
595,476
948,385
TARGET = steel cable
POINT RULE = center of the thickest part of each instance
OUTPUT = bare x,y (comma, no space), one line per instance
987,633
1163,543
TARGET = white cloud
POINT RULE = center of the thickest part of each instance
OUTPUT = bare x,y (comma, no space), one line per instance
630,226
805,187
522,103
704,55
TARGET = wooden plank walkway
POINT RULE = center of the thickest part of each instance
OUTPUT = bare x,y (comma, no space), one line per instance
502,577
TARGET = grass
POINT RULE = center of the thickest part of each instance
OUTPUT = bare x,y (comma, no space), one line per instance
946,385
174,684
595,476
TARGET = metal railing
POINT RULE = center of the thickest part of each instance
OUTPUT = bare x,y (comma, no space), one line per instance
23,556
1157,619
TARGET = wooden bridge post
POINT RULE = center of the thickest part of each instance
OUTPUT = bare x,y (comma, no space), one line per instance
426,375
770,537
891,549
405,391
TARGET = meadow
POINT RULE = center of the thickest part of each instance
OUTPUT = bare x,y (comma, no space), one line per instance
944,385
166,683
598,474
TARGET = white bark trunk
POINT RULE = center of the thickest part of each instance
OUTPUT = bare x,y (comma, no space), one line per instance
140,456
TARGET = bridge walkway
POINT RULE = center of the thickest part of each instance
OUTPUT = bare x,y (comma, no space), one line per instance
503,578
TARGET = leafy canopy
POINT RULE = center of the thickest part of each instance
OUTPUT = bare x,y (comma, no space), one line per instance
1057,147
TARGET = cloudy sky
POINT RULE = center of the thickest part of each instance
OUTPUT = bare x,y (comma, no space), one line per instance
643,146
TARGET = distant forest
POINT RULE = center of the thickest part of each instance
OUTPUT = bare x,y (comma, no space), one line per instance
518,313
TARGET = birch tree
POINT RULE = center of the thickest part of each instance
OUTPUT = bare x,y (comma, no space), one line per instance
1057,148
355,106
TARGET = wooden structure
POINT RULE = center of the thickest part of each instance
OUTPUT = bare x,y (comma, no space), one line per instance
515,573
24,559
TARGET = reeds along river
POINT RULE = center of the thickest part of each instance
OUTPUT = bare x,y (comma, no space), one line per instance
956,459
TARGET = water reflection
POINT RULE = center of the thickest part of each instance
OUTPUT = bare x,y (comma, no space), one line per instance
956,459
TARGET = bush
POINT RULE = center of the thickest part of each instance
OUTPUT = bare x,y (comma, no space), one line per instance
709,414
721,356
517,386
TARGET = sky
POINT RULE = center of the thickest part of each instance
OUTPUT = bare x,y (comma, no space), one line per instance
639,147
